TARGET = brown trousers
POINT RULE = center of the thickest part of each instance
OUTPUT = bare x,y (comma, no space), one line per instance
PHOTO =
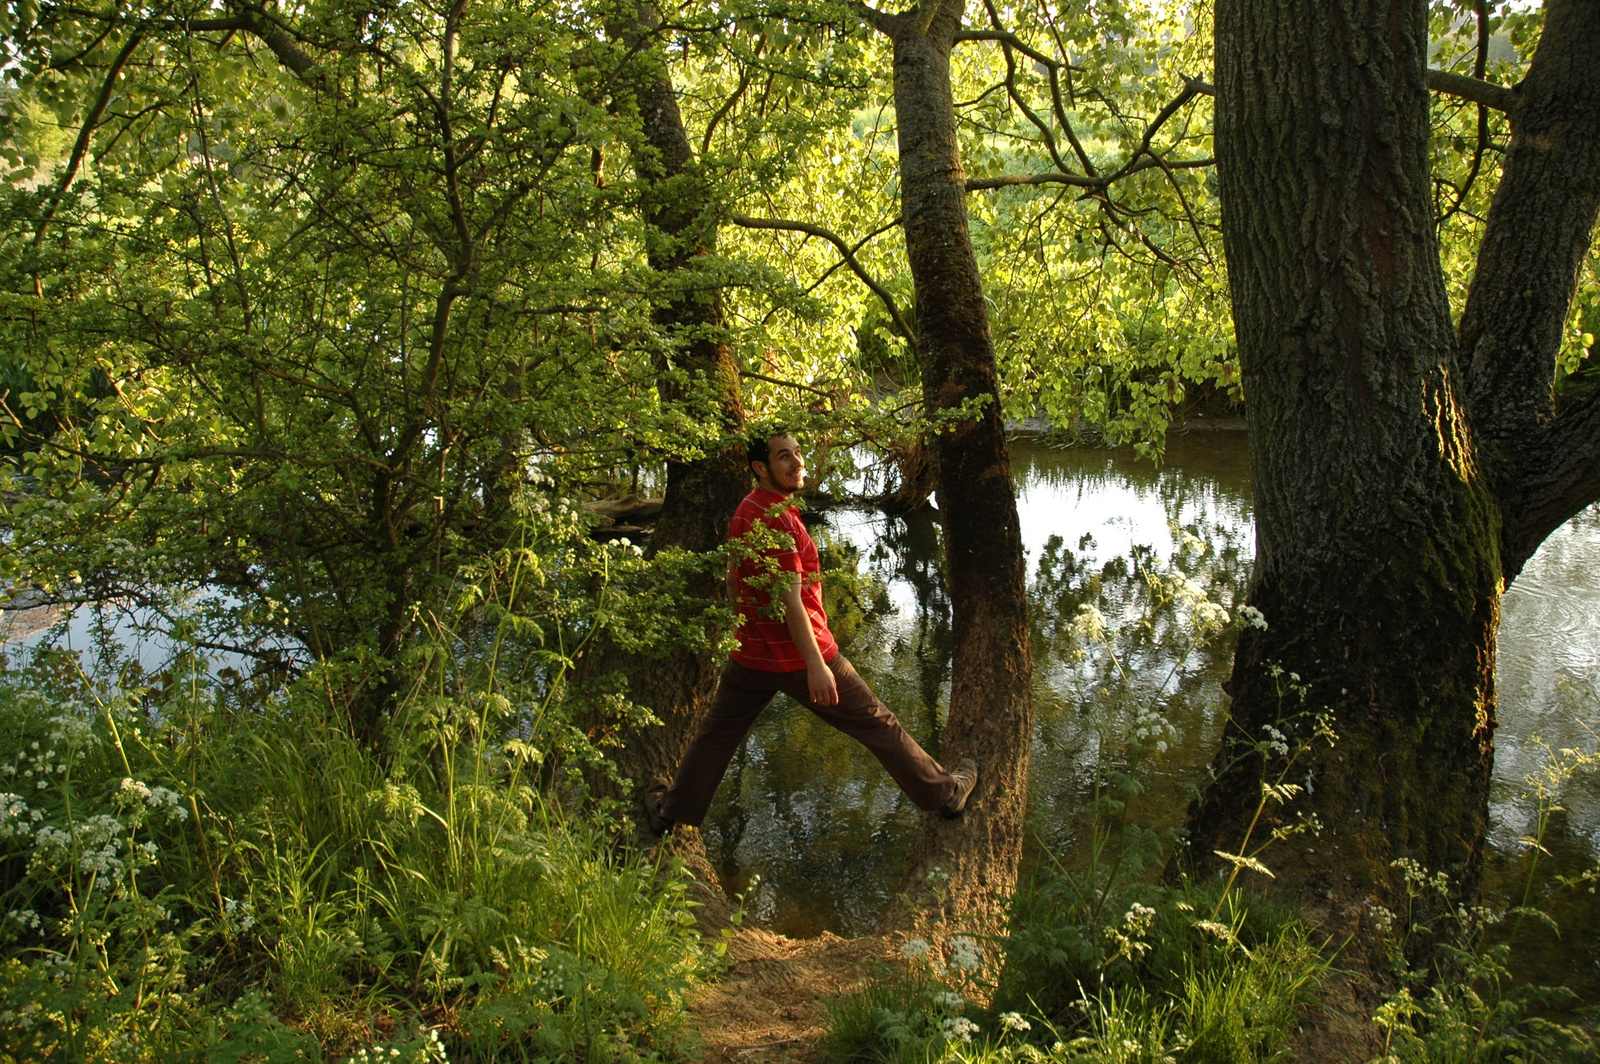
743,693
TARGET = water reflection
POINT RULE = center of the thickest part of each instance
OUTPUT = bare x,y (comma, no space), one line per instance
814,816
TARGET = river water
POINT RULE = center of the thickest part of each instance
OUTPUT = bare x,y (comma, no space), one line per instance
813,816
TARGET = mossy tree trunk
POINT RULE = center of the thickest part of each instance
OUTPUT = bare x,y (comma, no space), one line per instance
991,711
1403,473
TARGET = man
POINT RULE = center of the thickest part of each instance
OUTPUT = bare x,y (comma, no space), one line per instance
787,647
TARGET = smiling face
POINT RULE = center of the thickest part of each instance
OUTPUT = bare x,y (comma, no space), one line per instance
784,471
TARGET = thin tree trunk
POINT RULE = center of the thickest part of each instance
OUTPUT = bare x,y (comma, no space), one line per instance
1384,531
701,494
970,863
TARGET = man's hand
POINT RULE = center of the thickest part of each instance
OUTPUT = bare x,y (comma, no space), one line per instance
824,688
819,678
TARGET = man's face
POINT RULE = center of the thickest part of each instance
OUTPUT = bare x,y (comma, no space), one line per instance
784,471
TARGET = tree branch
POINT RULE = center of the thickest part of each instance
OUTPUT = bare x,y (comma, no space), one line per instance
923,17
752,375
1539,462
844,250
1481,92
1558,475
882,21
978,184
80,147
1480,64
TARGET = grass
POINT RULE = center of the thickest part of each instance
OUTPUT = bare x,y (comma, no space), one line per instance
1168,985
191,876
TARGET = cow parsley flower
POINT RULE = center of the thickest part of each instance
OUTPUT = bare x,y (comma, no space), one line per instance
914,948
957,1028
965,954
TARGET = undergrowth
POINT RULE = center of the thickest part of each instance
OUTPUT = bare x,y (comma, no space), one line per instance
1101,964
192,874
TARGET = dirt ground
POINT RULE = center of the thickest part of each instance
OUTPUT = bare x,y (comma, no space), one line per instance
769,1007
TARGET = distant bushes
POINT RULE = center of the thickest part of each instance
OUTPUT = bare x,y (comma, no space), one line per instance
192,875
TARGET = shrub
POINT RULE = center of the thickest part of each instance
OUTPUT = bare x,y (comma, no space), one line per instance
189,873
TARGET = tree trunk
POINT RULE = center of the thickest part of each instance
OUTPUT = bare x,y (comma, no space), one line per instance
1382,526
701,494
1542,466
991,709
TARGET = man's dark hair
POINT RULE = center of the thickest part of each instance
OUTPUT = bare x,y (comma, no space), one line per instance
758,446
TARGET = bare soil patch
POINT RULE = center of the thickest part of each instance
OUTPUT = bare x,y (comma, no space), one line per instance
770,1005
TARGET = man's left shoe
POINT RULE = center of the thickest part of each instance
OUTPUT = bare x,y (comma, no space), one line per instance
966,777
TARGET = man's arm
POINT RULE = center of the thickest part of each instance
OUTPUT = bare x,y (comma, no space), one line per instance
819,678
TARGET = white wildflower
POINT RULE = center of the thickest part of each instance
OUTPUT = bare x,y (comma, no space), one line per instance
950,999
1013,1021
1209,617
53,838
957,1028
965,954
99,845
238,915
172,801
1253,617
14,816
914,948
1089,624
72,729
139,790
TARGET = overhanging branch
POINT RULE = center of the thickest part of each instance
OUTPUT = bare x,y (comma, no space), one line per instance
1558,475
1476,90
977,184
850,260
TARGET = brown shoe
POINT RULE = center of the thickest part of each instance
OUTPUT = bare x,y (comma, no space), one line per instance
966,777
655,813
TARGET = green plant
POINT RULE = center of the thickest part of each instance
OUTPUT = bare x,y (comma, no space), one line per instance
1463,1006
198,872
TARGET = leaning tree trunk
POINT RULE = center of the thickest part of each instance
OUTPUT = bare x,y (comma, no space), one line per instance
991,710
701,494
1383,529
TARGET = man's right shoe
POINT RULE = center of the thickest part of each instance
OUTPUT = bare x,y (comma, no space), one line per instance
655,814
966,777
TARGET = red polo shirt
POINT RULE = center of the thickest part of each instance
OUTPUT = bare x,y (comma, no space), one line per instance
764,640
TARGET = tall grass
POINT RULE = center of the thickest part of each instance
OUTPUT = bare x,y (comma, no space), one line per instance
192,875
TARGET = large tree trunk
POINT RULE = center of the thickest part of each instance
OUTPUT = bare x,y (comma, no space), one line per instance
991,710
701,494
1384,531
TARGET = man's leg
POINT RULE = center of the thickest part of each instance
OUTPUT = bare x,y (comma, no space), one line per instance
861,716
741,696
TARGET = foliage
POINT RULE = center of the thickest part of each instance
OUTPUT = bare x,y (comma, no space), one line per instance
193,873
1164,986
1468,1009
1099,962
1466,1006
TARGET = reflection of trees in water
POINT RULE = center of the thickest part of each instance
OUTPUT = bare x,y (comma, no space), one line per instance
1150,656
732,821
907,658
816,815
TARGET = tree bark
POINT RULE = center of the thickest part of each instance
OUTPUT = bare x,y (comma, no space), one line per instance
701,494
1540,226
1386,523
991,710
